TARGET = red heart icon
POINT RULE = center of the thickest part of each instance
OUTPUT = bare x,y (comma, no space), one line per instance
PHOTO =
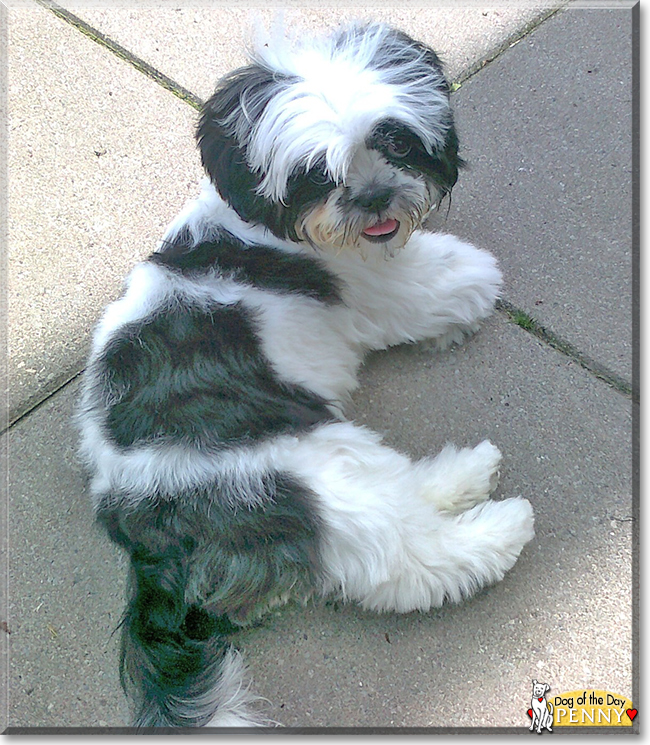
631,713
541,699
530,713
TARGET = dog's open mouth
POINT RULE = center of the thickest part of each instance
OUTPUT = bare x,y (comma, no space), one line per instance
381,232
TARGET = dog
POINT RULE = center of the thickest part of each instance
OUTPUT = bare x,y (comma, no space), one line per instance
212,406
542,709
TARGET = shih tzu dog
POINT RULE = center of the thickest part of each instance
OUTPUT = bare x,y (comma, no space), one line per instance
212,406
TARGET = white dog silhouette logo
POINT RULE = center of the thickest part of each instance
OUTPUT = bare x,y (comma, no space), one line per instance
541,710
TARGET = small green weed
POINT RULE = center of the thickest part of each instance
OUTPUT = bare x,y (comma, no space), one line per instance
523,319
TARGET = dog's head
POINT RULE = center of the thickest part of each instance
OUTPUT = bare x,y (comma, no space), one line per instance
539,689
342,142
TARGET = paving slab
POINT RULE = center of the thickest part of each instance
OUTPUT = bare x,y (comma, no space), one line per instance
66,582
196,45
86,201
565,438
562,615
547,132
100,159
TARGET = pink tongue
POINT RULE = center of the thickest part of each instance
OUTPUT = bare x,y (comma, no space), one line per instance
381,228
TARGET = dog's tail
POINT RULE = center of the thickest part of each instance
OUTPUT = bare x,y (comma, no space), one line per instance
177,666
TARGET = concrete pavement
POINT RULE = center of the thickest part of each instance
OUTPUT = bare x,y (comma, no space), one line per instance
101,157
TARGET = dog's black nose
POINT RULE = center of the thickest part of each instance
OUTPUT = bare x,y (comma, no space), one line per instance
375,200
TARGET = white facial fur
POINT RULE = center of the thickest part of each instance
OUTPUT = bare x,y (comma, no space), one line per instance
330,94
339,221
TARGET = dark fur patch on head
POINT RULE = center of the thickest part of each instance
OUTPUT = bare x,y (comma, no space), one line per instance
223,133
441,166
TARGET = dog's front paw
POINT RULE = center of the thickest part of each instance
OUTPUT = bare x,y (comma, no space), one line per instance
468,284
454,335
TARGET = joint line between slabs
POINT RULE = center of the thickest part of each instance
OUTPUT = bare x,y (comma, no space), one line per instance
124,54
514,38
548,337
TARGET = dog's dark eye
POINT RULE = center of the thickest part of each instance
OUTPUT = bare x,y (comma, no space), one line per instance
318,177
398,147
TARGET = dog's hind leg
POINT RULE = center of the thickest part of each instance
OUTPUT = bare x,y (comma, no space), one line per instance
382,543
452,558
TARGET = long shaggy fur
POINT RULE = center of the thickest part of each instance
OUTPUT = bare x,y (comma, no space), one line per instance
211,414
328,96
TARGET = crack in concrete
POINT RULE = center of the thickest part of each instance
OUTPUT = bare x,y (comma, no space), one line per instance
124,54
520,317
514,38
35,402
550,338
185,95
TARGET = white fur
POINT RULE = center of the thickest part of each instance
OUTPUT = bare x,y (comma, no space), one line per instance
169,469
237,704
329,227
208,214
397,535
437,287
336,95
387,544
457,480
310,344
149,287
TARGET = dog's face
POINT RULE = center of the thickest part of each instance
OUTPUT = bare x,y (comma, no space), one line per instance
539,689
345,142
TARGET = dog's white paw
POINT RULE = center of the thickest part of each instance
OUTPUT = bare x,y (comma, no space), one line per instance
513,521
472,282
487,459
454,335
496,533
461,479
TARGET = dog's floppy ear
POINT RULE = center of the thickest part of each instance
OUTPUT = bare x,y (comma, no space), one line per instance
224,129
224,126
224,134
448,163
447,160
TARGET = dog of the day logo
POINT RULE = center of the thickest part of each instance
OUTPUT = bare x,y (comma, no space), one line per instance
586,708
